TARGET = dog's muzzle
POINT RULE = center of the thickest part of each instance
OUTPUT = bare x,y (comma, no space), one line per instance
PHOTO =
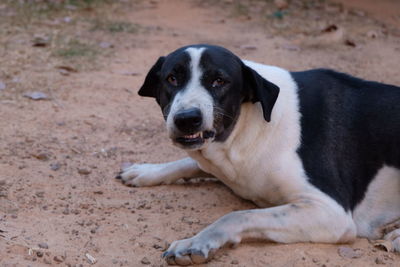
189,120
189,124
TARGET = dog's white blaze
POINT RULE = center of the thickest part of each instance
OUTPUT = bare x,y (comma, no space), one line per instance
381,204
194,95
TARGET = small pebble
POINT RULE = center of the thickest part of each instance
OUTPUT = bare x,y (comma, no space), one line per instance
235,262
40,194
55,166
106,45
348,252
43,245
90,258
372,34
66,212
145,261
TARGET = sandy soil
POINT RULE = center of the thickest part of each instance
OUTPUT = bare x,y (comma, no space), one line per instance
58,199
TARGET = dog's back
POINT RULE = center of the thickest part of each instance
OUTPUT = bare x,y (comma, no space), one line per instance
352,125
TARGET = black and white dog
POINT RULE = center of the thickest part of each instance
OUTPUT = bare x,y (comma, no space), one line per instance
322,146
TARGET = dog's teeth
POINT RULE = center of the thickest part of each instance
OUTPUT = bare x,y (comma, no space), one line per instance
192,136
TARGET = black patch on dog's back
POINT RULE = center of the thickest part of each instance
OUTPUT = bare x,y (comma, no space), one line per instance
350,128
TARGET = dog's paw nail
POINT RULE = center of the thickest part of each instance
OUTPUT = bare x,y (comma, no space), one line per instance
183,260
165,254
197,256
170,260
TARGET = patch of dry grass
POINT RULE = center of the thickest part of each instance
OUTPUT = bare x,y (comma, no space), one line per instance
76,48
114,26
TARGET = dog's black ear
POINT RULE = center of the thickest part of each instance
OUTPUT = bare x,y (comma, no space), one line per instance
256,88
152,81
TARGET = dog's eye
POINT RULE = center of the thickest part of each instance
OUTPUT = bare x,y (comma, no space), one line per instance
218,83
172,80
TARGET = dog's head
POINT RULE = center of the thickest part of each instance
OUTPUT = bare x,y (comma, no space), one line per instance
200,89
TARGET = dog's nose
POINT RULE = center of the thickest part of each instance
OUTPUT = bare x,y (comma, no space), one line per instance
189,120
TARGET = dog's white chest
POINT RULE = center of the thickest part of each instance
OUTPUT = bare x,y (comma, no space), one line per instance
262,180
242,180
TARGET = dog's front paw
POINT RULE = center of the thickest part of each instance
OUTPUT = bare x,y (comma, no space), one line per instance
141,175
189,251
198,249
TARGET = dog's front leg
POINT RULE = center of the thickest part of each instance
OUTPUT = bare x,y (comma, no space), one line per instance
162,173
298,222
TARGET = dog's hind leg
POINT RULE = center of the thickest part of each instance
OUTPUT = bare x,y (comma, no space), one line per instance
162,173
378,215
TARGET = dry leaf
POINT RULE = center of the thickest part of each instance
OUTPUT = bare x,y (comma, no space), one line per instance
84,171
66,68
350,43
41,156
129,73
40,41
330,28
248,47
36,95
383,245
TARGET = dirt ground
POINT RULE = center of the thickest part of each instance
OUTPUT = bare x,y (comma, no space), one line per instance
59,203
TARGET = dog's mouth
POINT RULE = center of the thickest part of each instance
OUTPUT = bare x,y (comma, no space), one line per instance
194,140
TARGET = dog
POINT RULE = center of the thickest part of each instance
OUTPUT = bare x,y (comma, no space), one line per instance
322,146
